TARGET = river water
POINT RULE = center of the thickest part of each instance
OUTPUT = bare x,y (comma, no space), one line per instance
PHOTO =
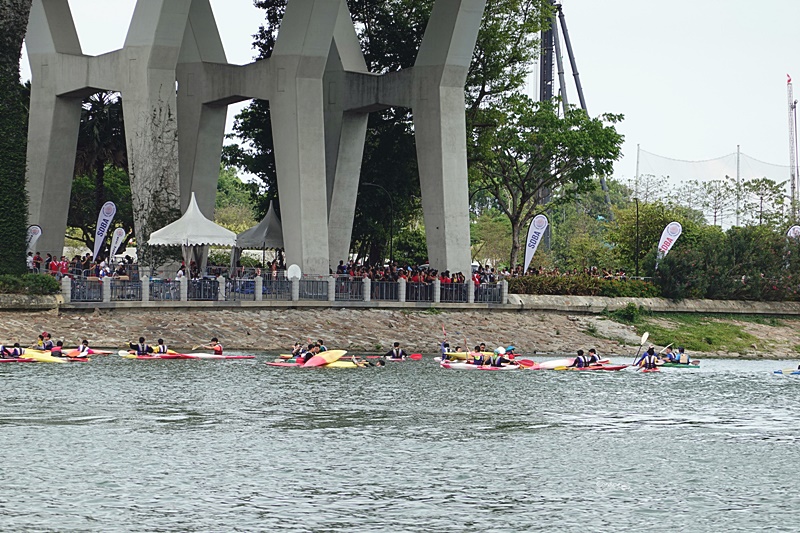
125,445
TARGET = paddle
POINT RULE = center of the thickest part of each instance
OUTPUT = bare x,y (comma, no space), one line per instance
644,340
527,363
415,356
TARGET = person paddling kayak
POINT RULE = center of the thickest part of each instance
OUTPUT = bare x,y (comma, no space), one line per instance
396,352
499,358
47,342
593,358
57,350
83,349
649,360
142,348
668,356
476,357
580,362
161,348
214,345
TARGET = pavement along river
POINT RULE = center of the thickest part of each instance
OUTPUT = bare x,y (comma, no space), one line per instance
190,445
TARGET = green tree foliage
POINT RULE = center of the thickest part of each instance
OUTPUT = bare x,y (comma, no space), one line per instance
83,215
13,138
491,236
235,206
532,150
764,201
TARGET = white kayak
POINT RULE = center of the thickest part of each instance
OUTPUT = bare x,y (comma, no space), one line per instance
555,363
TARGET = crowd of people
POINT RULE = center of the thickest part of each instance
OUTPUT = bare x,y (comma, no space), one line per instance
79,266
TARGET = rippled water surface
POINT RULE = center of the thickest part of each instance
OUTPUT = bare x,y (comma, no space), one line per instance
122,445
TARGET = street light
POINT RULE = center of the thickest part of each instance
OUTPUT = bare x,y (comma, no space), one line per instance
391,223
636,256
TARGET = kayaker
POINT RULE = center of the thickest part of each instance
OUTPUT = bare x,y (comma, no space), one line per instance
322,347
650,359
214,345
47,342
668,356
594,359
15,352
297,349
142,348
580,361
313,350
83,349
499,358
396,352
57,350
683,358
444,349
39,343
161,348
475,357
510,353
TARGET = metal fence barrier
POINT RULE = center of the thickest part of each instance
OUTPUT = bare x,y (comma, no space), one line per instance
489,293
311,289
203,289
85,290
161,290
240,289
419,292
349,289
453,292
125,290
385,290
277,289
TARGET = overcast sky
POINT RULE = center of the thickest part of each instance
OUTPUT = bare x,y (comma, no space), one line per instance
693,78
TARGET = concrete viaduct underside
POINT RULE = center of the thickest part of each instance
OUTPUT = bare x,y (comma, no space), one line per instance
320,95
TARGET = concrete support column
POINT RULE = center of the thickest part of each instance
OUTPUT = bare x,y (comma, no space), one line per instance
145,281
401,289
470,292
440,128
106,289
184,289
437,291
221,288
504,292
295,289
299,60
367,289
331,289
259,288
66,289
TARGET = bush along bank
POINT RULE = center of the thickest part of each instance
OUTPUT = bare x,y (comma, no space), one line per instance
582,286
29,284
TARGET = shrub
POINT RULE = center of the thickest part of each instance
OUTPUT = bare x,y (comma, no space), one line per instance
582,286
33,284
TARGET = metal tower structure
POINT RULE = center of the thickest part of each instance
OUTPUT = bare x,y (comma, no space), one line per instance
792,147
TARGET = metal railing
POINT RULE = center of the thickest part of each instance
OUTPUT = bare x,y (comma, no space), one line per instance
314,289
349,289
125,290
489,293
385,290
203,289
84,290
238,289
453,292
161,290
277,289
419,292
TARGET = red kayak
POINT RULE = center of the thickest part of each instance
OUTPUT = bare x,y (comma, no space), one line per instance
601,367
651,369
280,363
18,360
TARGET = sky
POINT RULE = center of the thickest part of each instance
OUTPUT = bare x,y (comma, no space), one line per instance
694,78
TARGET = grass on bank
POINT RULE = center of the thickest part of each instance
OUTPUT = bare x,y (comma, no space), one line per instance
697,332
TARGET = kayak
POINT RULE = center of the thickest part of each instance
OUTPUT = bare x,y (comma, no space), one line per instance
466,366
463,355
18,360
46,357
556,363
214,356
679,365
650,370
595,367
91,351
282,363
788,372
324,358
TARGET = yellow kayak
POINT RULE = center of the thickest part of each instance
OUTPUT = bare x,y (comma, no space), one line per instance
42,356
463,355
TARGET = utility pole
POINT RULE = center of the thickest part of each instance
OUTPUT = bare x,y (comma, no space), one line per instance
792,148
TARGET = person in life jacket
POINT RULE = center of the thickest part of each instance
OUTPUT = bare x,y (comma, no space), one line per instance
580,362
322,347
396,352
593,358
475,357
444,350
650,359
15,352
83,349
668,356
161,348
56,351
47,342
39,343
499,358
214,345
683,358
313,350
142,348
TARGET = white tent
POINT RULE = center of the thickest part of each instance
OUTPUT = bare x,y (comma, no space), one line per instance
193,231
266,234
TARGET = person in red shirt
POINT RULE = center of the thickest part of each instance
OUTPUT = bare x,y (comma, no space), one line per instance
54,266
214,345
63,266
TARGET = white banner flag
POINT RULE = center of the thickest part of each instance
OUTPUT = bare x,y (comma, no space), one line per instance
34,232
104,220
535,232
116,241
668,238
794,232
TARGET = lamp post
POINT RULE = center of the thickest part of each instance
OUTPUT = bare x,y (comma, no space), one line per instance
391,223
636,253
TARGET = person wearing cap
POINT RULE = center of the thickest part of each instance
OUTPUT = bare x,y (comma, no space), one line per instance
142,348
510,353
649,360
396,352
216,346
593,358
580,361
499,358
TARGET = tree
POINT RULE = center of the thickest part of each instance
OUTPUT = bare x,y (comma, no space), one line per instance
13,138
83,215
491,232
764,200
532,150
234,206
